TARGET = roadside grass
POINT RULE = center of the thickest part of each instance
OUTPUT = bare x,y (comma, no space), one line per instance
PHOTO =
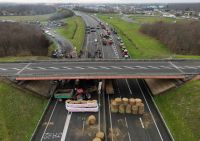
41,18
139,45
74,31
180,108
19,112
23,58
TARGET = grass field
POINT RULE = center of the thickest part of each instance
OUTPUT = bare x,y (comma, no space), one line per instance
19,113
74,31
141,46
27,18
180,109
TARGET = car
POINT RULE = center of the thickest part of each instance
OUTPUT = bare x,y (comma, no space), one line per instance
93,30
95,40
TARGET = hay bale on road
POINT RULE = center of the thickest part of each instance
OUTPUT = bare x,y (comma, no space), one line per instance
138,101
96,139
141,109
125,100
118,101
91,120
114,107
122,108
100,135
134,109
128,109
132,101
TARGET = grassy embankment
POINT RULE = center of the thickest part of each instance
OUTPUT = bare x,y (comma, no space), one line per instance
74,31
180,109
19,112
141,46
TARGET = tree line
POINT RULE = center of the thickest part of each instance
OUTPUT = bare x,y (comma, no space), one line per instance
61,14
26,9
181,37
19,39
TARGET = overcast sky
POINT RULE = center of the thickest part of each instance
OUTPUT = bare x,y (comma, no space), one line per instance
100,1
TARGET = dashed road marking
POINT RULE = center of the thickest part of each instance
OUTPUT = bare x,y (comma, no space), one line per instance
54,68
141,122
166,67
29,69
67,68
189,67
80,68
16,69
116,67
3,69
128,67
176,67
129,87
153,67
41,68
92,68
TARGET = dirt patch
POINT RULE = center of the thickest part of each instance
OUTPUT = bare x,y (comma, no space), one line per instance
158,86
39,87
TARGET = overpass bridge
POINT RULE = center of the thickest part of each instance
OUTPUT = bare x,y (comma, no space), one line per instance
100,69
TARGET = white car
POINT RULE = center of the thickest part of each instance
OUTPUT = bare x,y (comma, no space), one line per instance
95,40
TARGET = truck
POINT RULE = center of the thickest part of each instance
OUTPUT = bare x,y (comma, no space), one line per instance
64,94
109,87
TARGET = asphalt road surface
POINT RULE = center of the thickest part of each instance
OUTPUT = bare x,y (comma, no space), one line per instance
60,125
100,68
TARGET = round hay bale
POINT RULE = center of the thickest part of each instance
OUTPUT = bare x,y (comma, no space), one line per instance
141,109
118,101
132,101
114,107
128,109
138,101
91,120
77,102
134,109
100,135
122,108
71,102
125,100
83,102
96,139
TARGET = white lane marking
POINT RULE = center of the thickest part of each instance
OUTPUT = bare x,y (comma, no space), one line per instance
23,68
165,67
80,68
129,136
67,68
54,68
49,121
141,67
126,122
64,134
41,68
153,67
176,67
110,117
104,67
150,111
92,68
141,122
99,114
129,87
29,69
3,69
128,67
16,69
116,67
83,128
189,67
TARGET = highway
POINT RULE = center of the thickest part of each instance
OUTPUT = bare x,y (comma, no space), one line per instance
60,125
99,69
